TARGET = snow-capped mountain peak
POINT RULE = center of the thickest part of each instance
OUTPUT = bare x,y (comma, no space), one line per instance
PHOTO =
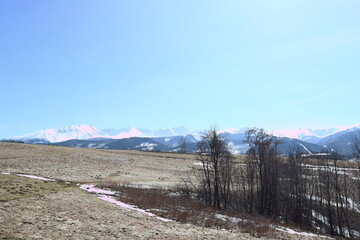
64,133
86,132
233,130
133,132
297,133
313,135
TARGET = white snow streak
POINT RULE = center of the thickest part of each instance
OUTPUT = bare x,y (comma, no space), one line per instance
36,177
104,195
291,231
305,148
92,189
198,164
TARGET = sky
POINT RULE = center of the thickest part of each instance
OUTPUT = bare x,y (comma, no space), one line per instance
274,64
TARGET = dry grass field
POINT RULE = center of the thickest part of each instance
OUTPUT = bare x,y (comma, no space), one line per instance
38,209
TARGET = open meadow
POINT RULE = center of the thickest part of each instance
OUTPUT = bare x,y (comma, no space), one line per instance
57,208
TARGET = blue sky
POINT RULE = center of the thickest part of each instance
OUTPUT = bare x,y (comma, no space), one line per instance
273,63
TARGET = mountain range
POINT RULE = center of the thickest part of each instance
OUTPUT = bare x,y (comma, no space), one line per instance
86,132
309,141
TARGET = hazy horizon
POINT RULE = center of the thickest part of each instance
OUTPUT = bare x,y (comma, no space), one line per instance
159,64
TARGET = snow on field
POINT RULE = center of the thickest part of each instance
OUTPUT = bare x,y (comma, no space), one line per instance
343,171
198,164
232,219
351,205
6,173
291,231
36,177
104,195
124,205
92,189
325,220
278,228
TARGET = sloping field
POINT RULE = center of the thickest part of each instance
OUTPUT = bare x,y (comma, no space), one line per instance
83,165
38,209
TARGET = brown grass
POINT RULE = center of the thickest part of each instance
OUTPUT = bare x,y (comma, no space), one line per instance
173,205
16,187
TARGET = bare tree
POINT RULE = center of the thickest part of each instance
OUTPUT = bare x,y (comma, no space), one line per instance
262,155
296,179
216,174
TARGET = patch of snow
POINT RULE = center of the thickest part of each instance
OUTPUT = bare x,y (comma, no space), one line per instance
291,231
132,133
305,148
306,176
64,133
92,189
315,154
278,228
6,173
36,177
198,163
320,217
293,133
238,149
104,195
175,150
230,130
352,204
172,131
325,220
330,168
232,219
147,146
128,206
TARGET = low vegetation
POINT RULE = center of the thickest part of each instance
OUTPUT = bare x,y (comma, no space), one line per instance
182,206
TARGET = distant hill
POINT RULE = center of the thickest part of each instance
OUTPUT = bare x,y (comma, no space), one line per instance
341,141
84,136
135,143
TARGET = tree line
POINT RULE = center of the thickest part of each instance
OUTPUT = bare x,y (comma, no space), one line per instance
317,194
